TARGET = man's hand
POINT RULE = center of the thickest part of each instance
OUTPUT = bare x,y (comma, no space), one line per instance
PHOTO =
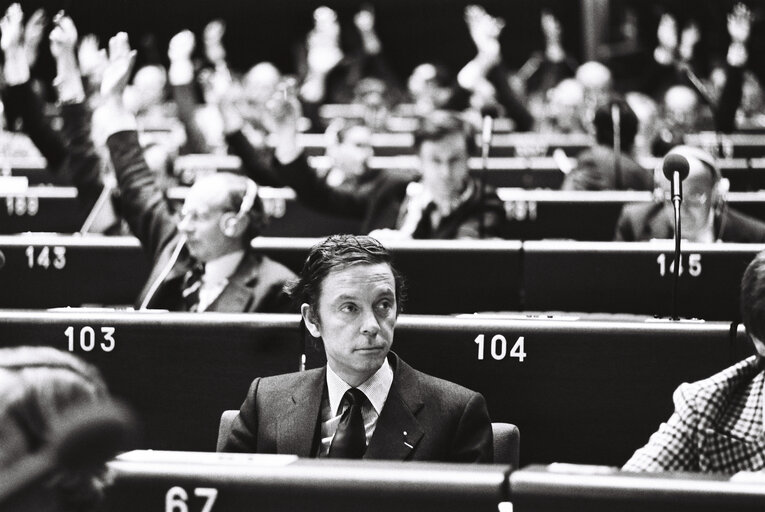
12,29
667,32
688,40
33,34
63,38
213,40
553,33
283,114
181,46
117,72
739,24
484,30
92,59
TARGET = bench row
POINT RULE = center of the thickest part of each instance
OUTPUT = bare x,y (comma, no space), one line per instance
532,214
567,383
443,276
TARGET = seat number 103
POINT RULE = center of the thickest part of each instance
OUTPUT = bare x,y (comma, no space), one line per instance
498,348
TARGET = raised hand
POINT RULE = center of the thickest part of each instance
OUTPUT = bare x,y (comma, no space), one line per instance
117,72
181,46
365,20
739,23
12,28
688,39
213,40
63,37
667,32
484,30
283,108
92,59
33,34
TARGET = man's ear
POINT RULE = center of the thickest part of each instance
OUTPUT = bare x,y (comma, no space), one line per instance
232,225
310,320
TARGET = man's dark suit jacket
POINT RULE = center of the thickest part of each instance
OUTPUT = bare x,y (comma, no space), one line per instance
595,171
642,222
439,420
256,284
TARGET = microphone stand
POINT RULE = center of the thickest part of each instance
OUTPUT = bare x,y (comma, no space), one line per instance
488,126
676,202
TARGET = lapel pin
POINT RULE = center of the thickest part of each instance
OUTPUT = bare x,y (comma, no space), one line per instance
407,444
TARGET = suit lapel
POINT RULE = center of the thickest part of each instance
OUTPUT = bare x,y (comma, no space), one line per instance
398,431
237,293
296,427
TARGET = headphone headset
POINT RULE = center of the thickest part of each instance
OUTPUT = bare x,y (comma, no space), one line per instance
229,222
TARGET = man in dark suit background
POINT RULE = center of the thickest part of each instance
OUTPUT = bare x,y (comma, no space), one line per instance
202,259
350,298
705,215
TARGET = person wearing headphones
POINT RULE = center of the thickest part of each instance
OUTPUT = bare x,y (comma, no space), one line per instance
704,214
202,260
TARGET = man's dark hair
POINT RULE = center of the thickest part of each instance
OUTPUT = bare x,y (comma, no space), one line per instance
441,123
604,125
752,298
336,253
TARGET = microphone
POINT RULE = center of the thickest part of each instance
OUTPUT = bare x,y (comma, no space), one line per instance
85,438
676,168
488,113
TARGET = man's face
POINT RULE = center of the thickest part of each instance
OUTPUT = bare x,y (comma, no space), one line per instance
444,165
355,319
201,222
353,153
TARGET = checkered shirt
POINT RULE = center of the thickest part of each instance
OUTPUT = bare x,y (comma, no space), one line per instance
717,426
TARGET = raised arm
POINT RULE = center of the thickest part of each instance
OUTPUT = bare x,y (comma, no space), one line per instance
143,203
19,99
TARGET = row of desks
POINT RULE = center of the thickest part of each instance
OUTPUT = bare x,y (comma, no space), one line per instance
580,390
147,480
443,276
523,172
531,214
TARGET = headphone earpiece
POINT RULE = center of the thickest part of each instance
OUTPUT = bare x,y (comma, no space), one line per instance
721,193
229,221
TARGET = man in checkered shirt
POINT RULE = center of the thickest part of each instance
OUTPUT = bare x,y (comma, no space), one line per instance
717,426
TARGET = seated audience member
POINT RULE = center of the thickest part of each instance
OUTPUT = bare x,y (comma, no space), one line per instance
601,167
705,217
366,402
202,262
647,112
679,116
433,87
446,203
565,109
717,426
597,81
39,388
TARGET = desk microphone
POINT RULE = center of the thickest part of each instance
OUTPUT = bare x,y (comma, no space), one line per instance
676,169
487,131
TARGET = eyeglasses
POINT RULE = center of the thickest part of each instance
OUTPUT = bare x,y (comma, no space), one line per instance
694,199
195,216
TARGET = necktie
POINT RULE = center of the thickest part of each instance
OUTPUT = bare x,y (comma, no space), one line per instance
192,282
350,441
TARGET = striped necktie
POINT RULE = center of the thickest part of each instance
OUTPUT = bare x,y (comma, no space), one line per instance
192,282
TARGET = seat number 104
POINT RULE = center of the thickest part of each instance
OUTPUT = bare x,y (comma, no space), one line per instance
498,348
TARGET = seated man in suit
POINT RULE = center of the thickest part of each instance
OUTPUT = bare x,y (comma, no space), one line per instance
704,214
717,426
366,402
446,202
202,260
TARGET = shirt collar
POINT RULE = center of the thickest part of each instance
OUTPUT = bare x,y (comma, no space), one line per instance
221,268
376,387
